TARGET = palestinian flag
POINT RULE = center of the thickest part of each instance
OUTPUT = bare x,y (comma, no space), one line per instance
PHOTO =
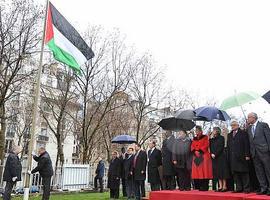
64,41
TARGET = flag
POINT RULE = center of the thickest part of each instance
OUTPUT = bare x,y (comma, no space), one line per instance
64,41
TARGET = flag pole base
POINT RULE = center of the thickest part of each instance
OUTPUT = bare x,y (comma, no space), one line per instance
26,194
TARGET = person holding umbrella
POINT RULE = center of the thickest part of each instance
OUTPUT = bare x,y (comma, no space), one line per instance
201,163
167,165
182,159
128,174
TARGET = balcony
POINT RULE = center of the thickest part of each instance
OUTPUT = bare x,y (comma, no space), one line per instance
42,138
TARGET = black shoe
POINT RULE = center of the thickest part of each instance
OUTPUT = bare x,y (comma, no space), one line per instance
268,193
237,191
224,190
247,192
261,192
181,189
187,189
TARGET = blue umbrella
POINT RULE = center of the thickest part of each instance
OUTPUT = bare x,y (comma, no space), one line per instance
211,113
124,139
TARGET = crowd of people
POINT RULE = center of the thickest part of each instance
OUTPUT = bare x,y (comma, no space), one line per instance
238,161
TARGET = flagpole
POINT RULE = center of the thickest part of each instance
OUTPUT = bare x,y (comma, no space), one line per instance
35,111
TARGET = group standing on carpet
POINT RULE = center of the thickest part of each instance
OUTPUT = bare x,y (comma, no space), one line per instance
238,161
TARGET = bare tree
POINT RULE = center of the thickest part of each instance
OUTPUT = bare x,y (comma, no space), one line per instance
59,107
146,90
103,77
19,37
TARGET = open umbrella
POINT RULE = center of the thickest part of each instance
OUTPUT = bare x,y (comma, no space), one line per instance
188,115
238,100
124,139
211,113
175,124
266,96
185,114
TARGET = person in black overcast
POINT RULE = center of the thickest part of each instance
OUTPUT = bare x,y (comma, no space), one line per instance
154,162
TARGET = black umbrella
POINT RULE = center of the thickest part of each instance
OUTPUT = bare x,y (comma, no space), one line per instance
174,124
185,114
189,115
266,96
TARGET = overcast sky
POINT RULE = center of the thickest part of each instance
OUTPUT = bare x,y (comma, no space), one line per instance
212,46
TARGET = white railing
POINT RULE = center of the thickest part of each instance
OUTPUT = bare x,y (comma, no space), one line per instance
70,177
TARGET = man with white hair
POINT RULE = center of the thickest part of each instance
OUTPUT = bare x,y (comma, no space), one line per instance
12,172
45,170
259,139
239,156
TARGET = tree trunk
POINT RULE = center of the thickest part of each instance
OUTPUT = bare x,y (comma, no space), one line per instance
2,138
85,154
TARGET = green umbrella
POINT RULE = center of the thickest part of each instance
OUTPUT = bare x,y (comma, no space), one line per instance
239,99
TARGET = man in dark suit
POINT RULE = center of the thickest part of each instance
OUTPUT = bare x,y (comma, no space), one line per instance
154,162
12,172
123,182
45,170
167,164
259,139
238,150
139,167
128,161
99,174
114,175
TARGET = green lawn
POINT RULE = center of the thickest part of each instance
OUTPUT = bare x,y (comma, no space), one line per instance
77,196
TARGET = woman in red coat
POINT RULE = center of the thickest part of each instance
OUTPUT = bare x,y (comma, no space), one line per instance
201,163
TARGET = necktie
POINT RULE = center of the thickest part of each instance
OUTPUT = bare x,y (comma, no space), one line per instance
253,130
135,160
234,133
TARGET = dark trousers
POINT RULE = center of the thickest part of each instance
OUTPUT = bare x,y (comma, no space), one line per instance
241,180
124,187
169,183
139,189
129,188
230,184
155,186
46,181
183,178
114,193
201,184
100,180
254,183
262,168
8,190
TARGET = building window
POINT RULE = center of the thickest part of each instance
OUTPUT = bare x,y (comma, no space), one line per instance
49,81
43,131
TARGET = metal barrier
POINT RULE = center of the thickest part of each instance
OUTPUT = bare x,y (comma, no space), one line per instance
70,177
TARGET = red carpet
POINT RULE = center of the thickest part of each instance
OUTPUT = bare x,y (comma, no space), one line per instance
197,195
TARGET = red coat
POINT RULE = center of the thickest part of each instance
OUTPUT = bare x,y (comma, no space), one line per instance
204,170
